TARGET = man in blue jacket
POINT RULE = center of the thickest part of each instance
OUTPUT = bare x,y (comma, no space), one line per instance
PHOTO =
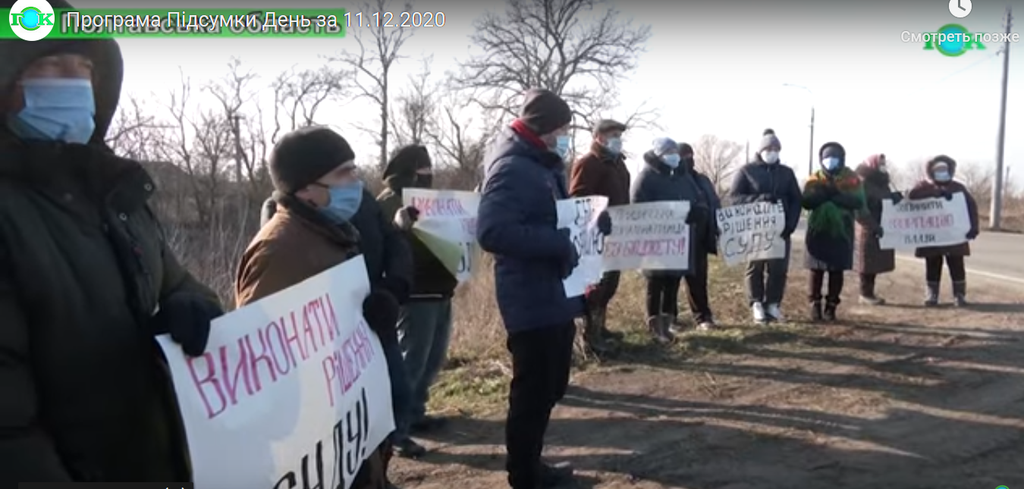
517,223
767,180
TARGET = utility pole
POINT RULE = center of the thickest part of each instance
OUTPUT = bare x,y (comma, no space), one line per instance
748,152
995,216
810,151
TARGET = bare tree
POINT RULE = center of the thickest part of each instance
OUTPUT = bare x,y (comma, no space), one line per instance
378,49
718,159
577,48
299,95
415,109
978,180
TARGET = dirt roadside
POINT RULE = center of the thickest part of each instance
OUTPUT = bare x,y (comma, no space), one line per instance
896,396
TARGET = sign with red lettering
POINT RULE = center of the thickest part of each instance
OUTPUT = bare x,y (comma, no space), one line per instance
292,391
447,216
648,236
923,223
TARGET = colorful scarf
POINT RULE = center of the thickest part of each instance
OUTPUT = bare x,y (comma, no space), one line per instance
830,218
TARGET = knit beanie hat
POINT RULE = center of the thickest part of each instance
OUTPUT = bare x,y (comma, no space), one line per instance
662,146
544,111
769,140
302,156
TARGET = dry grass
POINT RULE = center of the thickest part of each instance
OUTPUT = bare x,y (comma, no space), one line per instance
478,372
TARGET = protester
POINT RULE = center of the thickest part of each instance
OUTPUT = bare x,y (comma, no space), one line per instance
869,259
317,192
389,265
767,180
940,183
659,181
517,223
602,171
425,324
834,195
705,240
86,281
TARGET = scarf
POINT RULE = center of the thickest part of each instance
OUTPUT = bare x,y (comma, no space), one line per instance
829,218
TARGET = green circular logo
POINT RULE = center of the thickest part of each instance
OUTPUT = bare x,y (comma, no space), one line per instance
953,45
31,18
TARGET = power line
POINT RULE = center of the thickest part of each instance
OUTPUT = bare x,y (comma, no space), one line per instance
970,67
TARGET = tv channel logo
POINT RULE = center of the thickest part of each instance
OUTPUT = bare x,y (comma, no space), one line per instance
31,20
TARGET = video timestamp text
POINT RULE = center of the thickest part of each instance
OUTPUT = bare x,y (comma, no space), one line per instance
394,19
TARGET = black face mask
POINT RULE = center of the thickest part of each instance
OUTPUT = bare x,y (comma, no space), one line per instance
424,181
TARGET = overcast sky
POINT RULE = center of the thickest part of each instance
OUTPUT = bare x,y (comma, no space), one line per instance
718,68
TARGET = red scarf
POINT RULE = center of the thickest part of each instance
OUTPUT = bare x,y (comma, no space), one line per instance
520,128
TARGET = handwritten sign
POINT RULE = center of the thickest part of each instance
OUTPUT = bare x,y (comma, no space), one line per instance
579,215
924,223
649,236
450,216
751,232
294,387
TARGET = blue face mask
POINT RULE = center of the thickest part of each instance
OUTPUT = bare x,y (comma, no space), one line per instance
942,176
345,201
671,160
56,109
614,145
562,146
831,163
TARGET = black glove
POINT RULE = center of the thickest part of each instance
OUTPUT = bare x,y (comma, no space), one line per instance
380,309
879,232
786,233
187,317
604,223
768,198
971,235
896,197
692,216
572,260
946,194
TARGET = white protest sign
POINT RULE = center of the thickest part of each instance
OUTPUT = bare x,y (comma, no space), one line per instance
449,216
580,216
922,223
751,232
293,390
649,236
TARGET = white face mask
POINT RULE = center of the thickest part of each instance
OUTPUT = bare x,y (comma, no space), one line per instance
770,156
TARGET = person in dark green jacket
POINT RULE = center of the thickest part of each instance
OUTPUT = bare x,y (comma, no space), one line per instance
86,281
425,326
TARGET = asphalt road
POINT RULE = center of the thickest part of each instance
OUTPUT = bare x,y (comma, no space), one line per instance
998,256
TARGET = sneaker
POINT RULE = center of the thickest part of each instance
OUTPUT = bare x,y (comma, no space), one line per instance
706,325
408,448
677,327
428,424
556,475
774,313
871,301
759,313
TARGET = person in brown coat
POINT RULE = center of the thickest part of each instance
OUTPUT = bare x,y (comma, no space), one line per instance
940,183
869,259
602,171
317,191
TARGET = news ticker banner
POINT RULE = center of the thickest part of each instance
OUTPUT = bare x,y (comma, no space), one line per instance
34,20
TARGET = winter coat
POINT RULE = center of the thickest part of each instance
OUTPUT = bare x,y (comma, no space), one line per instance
832,249
85,392
758,181
601,173
387,255
869,257
296,244
706,236
929,188
659,183
517,223
431,279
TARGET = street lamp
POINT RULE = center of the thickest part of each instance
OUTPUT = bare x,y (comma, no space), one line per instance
810,151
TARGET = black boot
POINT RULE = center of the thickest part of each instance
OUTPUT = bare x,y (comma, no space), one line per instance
816,313
931,298
829,313
960,294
